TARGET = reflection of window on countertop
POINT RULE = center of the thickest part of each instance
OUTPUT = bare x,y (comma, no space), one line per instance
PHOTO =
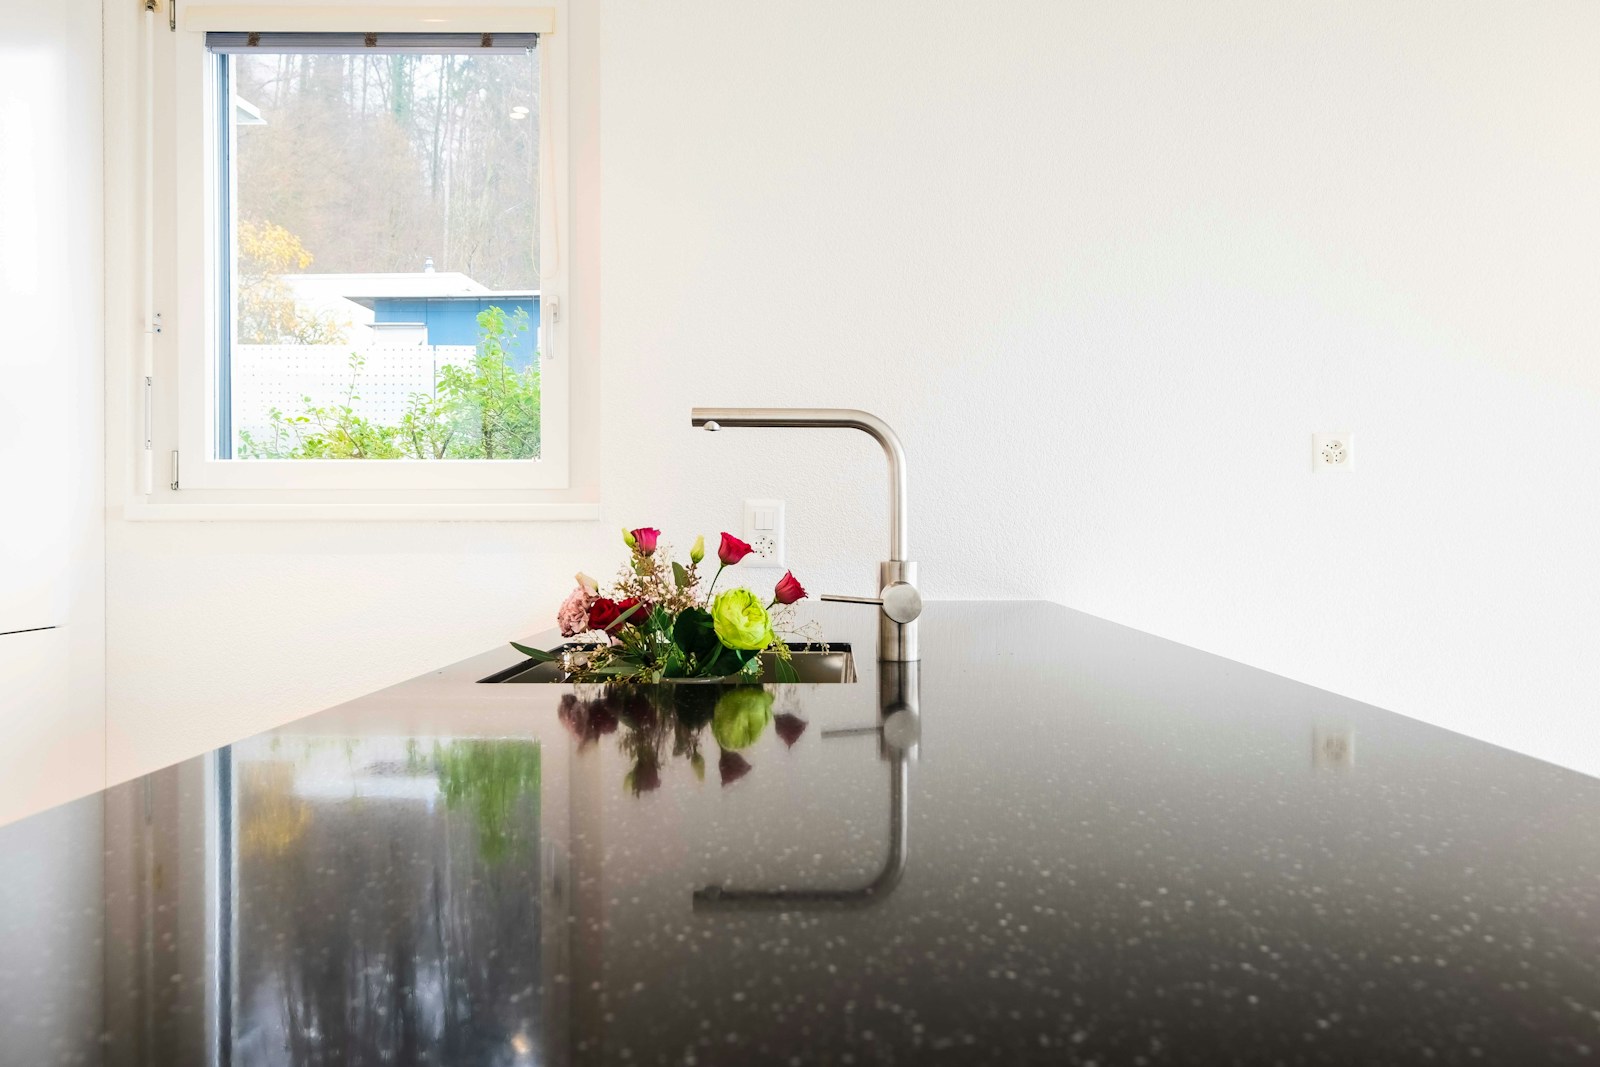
301,923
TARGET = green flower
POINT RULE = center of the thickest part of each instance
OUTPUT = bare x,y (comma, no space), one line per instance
741,620
742,716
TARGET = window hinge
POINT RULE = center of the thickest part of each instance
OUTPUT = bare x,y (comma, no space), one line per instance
172,11
174,469
149,412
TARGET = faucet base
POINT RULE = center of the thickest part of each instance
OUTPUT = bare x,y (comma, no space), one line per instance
897,641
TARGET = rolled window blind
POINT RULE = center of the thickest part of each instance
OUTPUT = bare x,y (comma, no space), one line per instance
371,43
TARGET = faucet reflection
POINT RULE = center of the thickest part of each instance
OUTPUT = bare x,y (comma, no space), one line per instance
898,732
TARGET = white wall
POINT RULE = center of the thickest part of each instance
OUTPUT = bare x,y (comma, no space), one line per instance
1106,265
52,437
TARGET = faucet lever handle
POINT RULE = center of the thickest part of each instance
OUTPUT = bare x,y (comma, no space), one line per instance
899,600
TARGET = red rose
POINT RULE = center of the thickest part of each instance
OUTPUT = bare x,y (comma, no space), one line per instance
645,539
638,617
601,721
732,767
788,590
603,614
645,778
732,550
789,727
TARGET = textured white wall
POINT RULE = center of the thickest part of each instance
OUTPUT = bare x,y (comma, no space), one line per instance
1106,265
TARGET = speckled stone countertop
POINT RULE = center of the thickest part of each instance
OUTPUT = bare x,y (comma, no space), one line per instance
1088,846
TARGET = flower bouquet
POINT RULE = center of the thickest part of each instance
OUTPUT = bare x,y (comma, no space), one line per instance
656,623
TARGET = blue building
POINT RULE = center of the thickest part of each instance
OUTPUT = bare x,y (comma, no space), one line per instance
452,319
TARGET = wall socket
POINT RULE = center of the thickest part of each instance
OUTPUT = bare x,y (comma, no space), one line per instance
763,529
1333,451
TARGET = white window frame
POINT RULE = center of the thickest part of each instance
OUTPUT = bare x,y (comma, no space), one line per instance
186,243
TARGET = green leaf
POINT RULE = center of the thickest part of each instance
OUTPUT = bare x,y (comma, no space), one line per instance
679,575
727,662
618,665
696,636
534,654
784,670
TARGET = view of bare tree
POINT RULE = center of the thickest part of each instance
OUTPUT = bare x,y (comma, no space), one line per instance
378,163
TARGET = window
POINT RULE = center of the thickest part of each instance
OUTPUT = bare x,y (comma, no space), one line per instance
379,245
364,248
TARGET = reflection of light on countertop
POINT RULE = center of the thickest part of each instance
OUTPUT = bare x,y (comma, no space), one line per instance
522,1046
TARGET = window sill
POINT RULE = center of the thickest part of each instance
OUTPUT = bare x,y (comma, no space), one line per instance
145,511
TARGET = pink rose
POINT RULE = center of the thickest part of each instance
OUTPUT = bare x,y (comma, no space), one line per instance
573,616
732,550
645,539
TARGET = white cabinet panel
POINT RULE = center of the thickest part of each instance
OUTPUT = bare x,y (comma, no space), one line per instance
50,749
52,437
48,292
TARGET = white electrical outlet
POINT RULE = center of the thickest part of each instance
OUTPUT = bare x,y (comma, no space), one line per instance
763,529
1334,451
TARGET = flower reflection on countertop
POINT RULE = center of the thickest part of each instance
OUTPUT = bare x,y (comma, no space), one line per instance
656,724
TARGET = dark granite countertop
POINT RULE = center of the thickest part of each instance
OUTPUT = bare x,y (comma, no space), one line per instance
1090,846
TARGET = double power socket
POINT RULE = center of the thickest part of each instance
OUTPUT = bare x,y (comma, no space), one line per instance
763,530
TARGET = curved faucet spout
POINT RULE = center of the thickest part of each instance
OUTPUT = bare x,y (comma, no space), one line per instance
898,599
830,418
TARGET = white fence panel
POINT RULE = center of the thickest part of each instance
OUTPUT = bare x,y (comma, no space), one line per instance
283,376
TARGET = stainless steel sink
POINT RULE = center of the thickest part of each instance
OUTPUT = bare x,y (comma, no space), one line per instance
832,662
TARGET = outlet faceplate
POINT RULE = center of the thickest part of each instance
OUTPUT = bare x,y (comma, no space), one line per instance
763,529
1333,451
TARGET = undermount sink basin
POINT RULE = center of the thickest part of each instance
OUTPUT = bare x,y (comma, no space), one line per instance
832,662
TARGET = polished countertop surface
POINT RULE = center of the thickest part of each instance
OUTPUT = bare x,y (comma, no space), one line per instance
1069,842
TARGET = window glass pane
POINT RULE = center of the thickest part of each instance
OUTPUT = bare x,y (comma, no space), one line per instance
381,219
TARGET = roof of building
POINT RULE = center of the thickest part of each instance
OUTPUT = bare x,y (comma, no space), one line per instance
410,284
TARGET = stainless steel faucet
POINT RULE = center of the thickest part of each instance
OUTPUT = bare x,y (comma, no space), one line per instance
898,599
